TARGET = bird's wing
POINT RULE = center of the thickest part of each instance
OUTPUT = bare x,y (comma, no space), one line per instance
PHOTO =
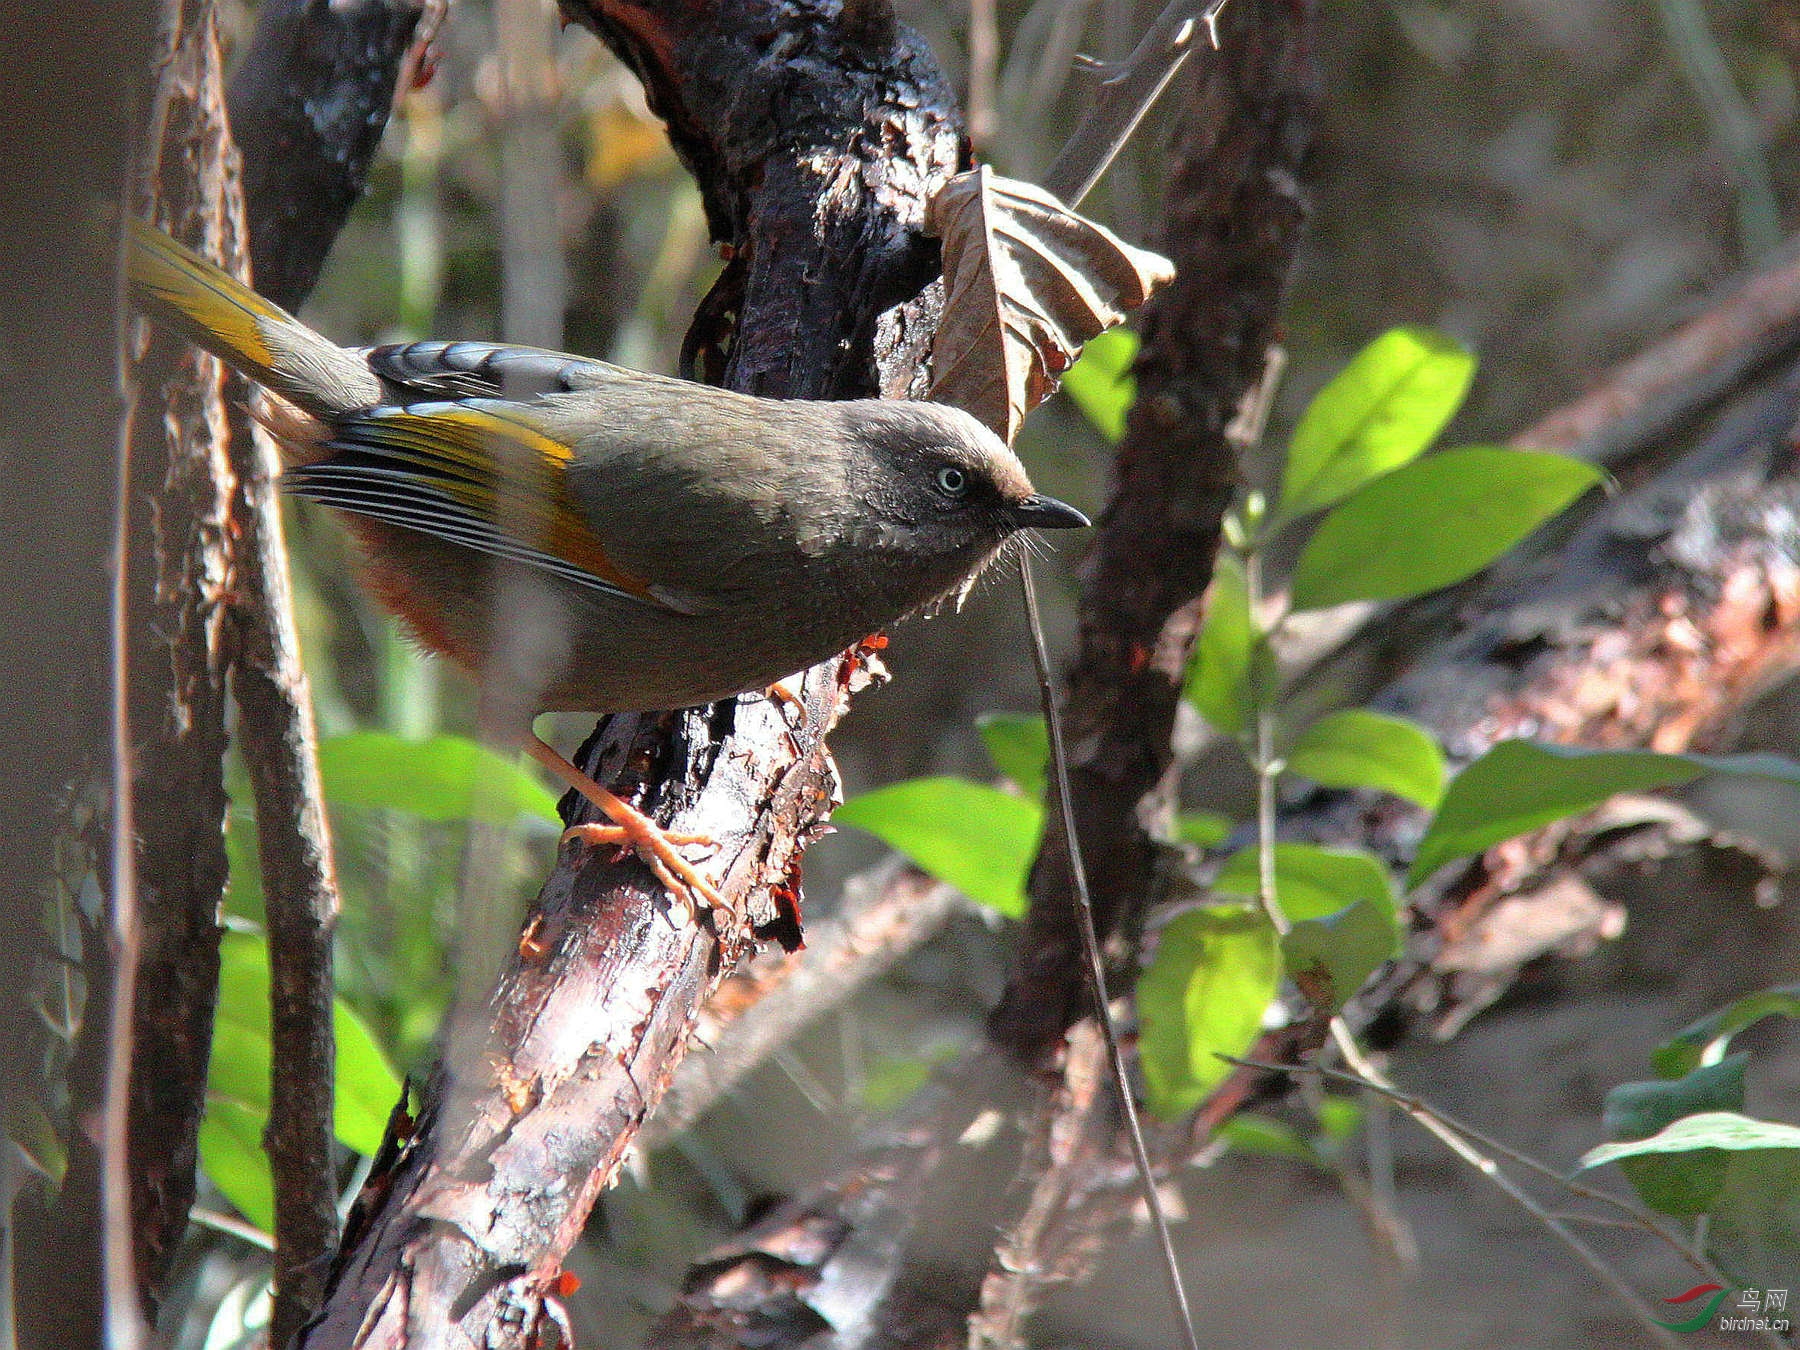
437,468
453,370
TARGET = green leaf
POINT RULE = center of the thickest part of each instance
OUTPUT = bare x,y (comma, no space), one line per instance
1754,1226
1208,829
1202,996
232,1154
1433,523
1709,1129
1380,411
365,1088
1101,383
1682,1053
977,838
1311,882
1218,674
1519,786
1019,747
1330,958
443,778
1254,1133
1637,1112
1361,749
1339,1117
30,1130
238,1074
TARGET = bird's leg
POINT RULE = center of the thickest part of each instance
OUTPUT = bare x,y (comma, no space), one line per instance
632,829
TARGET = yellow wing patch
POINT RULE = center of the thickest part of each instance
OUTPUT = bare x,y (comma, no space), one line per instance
493,464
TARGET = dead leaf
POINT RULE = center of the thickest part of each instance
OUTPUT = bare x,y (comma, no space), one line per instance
1027,282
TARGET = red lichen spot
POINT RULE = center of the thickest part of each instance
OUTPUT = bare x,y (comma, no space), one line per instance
565,1283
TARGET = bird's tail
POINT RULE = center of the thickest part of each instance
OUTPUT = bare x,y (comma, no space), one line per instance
185,292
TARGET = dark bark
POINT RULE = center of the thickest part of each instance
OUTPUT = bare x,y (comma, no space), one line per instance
815,147
183,554
308,106
211,538
299,889
876,1234
1234,218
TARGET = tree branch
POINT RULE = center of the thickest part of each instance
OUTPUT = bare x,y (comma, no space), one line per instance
815,147
1235,214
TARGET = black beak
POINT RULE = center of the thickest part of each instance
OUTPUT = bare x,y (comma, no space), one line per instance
1046,513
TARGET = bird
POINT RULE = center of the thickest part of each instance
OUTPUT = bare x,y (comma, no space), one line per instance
661,543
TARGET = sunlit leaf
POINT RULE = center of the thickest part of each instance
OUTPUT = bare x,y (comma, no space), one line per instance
1710,1129
1208,829
977,838
1203,996
1331,957
443,778
231,1152
1310,881
1518,786
1433,523
1361,749
1681,1053
1219,671
1019,747
1639,1112
238,1072
1378,413
1101,383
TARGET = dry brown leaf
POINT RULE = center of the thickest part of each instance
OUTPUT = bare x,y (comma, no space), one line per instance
1027,282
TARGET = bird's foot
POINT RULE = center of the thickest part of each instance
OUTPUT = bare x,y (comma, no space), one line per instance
659,850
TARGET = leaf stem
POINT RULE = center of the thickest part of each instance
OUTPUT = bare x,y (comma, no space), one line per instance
1090,942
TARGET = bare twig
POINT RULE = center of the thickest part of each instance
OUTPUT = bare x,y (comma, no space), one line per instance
1127,94
984,61
1635,1215
1096,964
1484,1164
300,890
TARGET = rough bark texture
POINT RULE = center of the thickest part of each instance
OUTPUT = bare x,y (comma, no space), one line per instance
865,1252
1235,214
308,106
300,896
183,556
213,592
815,144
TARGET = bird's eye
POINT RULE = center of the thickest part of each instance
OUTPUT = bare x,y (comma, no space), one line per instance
952,481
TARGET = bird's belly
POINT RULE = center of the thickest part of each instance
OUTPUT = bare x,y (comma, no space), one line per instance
630,661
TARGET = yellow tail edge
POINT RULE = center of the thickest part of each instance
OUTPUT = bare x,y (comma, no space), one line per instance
203,302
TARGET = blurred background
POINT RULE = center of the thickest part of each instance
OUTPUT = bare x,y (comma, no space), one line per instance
1553,182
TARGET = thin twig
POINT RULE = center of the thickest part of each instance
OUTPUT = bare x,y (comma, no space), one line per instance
1485,1164
294,846
1127,94
1096,966
1635,1215
984,60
